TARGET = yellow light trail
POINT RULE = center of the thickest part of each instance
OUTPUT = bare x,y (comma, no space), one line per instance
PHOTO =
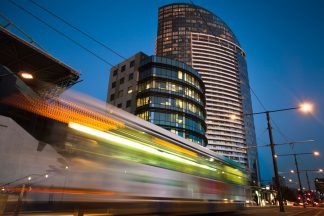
174,147
132,144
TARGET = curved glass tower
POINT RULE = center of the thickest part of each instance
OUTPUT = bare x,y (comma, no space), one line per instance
194,35
171,94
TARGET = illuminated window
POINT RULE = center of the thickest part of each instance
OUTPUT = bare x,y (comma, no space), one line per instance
179,103
173,87
179,119
179,74
129,90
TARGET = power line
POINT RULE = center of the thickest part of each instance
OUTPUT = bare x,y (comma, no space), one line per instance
10,23
77,29
61,33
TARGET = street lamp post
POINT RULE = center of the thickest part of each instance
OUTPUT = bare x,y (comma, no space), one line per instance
305,107
300,186
307,181
275,166
306,172
298,171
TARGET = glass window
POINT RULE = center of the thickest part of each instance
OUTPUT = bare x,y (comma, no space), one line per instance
113,85
161,85
129,90
121,81
173,87
119,105
132,64
128,103
123,68
115,72
112,97
179,103
148,85
131,76
179,74
120,93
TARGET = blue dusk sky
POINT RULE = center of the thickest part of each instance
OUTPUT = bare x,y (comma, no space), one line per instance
283,40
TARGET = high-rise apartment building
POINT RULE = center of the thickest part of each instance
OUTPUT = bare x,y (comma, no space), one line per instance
163,91
194,35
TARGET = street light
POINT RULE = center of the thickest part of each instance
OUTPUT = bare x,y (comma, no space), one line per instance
23,74
297,168
304,107
310,170
26,75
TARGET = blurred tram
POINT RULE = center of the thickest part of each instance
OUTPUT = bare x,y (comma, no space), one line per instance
100,157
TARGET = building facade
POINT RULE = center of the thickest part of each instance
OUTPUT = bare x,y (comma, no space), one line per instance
122,83
164,91
194,35
171,94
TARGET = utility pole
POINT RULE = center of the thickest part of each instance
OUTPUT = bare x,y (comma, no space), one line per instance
275,166
308,181
300,186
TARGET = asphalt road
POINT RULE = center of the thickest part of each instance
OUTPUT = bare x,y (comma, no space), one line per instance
274,211
252,211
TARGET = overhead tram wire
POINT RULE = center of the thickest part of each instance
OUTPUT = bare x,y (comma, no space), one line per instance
248,84
77,29
10,23
61,33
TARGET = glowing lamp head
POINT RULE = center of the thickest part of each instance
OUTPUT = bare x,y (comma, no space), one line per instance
320,170
292,171
316,153
290,180
26,75
306,107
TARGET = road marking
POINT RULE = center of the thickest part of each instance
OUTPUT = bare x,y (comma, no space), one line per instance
318,213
